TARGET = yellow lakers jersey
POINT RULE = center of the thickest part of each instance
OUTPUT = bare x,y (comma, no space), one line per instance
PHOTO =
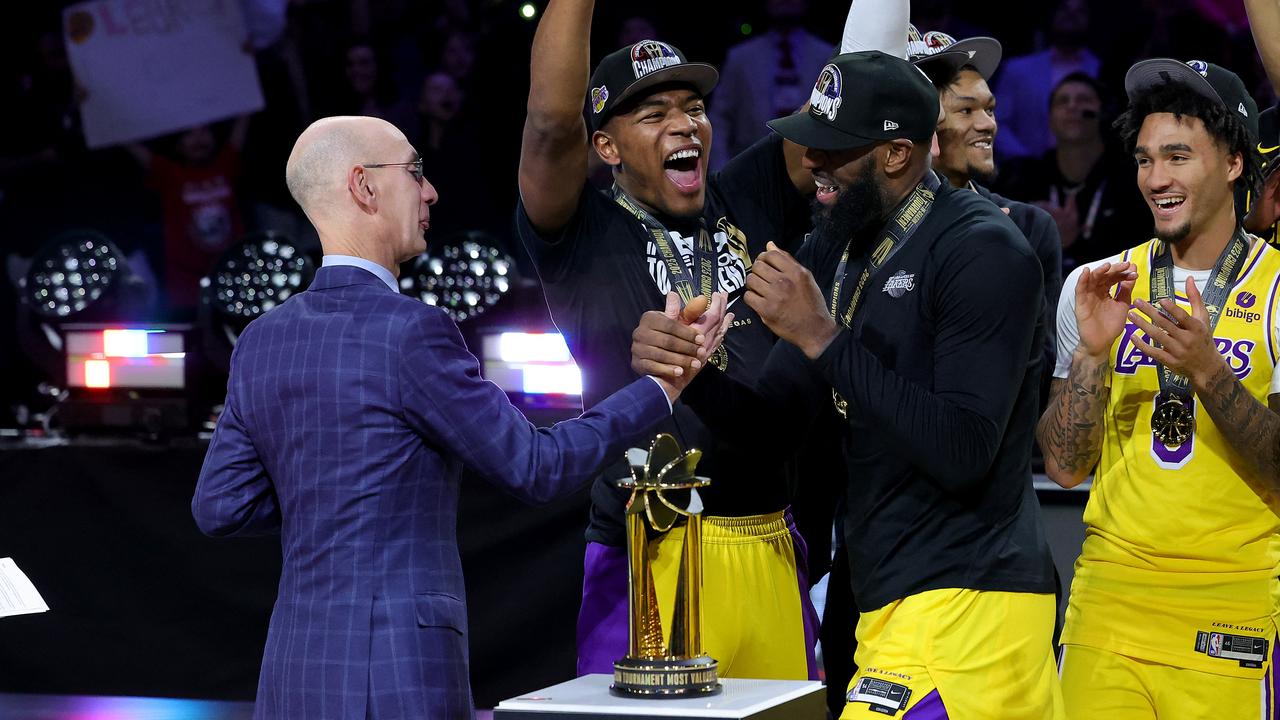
1180,557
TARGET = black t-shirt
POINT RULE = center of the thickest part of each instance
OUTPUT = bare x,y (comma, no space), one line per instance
941,382
1042,235
602,271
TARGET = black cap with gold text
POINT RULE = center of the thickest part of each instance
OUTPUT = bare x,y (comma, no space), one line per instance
861,99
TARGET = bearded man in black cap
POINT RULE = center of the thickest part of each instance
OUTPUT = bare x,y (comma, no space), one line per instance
913,310
604,258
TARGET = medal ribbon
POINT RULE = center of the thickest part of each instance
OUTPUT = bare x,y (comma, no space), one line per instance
704,254
905,220
1221,280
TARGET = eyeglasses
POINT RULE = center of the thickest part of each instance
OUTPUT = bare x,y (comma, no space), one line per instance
413,166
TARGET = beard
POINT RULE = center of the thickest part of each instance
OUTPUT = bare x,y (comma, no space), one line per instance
1176,235
981,176
858,213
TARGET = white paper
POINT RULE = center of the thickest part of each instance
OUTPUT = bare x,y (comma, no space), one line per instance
150,67
17,595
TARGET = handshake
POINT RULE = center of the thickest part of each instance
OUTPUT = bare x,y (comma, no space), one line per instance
673,345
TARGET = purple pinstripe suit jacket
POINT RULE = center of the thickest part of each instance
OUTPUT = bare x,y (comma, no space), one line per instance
350,412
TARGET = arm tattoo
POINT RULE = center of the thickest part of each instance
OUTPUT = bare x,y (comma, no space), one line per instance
1250,428
1070,432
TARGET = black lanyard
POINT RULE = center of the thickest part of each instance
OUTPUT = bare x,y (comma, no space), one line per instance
1173,420
704,252
903,223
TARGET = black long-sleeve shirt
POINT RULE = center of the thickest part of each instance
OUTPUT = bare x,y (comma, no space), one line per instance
941,378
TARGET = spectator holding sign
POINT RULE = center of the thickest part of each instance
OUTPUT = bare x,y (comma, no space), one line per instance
200,205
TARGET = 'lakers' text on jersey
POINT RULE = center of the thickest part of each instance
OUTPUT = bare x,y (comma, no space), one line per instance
1180,556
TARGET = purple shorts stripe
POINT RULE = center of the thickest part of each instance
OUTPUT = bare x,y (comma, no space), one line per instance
930,708
602,620
1270,687
809,614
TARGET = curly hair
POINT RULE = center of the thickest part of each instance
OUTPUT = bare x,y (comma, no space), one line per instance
1179,99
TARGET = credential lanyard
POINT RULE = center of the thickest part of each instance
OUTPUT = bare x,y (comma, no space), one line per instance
704,255
1221,280
905,221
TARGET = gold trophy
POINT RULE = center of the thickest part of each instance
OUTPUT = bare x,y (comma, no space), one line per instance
663,488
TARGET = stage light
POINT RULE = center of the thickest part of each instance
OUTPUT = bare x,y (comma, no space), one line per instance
532,364
97,374
518,347
259,273
71,274
528,11
464,277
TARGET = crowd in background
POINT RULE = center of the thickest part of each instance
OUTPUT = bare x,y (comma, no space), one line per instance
453,75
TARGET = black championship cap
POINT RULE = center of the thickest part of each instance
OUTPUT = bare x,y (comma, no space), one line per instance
635,68
887,99
1212,81
1269,140
938,49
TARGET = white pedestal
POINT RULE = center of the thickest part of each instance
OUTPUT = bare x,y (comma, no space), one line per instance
588,698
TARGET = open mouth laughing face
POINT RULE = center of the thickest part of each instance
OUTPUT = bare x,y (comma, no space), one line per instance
659,146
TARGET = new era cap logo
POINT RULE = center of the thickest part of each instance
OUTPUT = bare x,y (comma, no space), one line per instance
824,101
890,125
650,55
1242,111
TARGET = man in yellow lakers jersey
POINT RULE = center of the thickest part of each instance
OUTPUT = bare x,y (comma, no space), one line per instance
1167,356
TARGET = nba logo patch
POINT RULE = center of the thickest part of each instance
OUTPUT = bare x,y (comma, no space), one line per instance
825,99
599,96
650,55
1199,66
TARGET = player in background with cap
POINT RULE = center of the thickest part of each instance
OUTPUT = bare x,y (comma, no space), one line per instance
604,258
1172,609
966,146
1264,206
913,309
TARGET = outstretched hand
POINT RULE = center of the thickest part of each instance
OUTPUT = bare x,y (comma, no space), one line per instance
673,345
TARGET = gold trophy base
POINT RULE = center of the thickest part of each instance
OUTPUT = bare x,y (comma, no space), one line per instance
665,677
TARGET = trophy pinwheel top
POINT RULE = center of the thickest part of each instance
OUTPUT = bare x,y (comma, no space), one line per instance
664,488
662,483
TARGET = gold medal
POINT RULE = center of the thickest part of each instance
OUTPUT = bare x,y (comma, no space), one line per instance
1173,420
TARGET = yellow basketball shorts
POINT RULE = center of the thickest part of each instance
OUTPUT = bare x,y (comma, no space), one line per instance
753,614
1103,684
959,654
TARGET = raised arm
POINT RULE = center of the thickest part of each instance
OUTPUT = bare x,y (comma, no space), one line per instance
1070,431
1264,22
877,25
553,159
